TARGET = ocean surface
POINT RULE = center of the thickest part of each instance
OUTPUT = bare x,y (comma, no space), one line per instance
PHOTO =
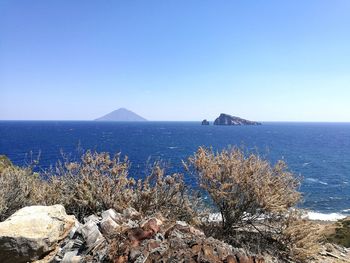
319,152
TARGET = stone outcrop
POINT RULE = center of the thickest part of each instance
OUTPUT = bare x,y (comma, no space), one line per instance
127,237
47,234
225,119
33,232
205,122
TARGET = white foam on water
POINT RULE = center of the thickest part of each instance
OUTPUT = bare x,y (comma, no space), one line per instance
323,217
311,215
314,180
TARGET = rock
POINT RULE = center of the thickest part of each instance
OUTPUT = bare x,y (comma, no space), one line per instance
329,247
208,254
109,226
71,257
92,218
231,259
332,255
152,224
32,232
181,223
117,217
131,213
136,235
150,239
91,234
205,122
244,259
225,119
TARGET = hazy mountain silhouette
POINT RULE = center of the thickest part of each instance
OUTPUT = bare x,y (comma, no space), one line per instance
121,114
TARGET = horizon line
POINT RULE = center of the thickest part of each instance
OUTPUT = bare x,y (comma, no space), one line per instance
266,121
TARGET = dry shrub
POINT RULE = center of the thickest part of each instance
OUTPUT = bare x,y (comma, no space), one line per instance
252,197
100,182
17,189
93,185
167,194
4,163
245,188
300,237
339,232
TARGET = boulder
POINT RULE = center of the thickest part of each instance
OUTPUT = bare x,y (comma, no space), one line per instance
33,232
131,213
91,234
109,226
111,213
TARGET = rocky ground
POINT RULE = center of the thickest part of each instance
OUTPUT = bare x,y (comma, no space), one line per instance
48,234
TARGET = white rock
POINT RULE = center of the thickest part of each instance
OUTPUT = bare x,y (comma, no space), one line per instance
91,233
117,217
109,226
71,257
93,218
32,232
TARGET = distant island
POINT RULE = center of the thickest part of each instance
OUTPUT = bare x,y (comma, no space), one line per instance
205,122
226,119
121,114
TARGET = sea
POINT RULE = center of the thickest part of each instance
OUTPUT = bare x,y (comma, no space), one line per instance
317,152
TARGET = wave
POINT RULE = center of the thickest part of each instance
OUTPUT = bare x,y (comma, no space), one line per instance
311,215
314,180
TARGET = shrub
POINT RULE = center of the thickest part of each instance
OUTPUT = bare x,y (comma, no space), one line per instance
245,188
100,182
299,237
93,185
339,233
4,163
167,194
253,197
17,189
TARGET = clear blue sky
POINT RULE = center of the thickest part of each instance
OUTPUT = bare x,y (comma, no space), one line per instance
175,60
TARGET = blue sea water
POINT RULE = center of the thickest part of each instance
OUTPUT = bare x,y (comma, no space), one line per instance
319,152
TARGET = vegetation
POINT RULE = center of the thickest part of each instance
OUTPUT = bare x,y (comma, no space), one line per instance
341,233
4,162
255,199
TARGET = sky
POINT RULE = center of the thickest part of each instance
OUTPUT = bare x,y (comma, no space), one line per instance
176,60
